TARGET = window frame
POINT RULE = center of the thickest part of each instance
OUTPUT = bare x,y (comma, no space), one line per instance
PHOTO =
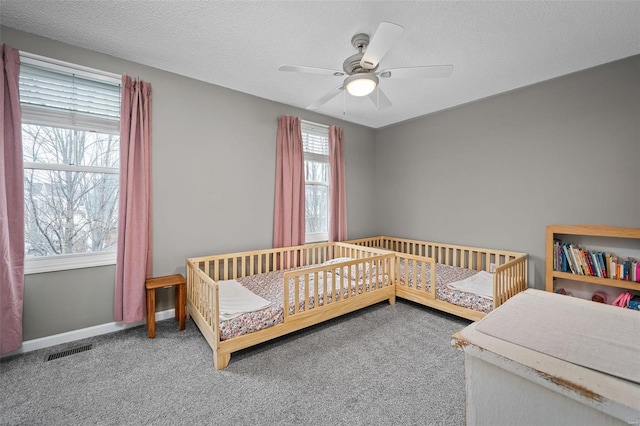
34,116
309,127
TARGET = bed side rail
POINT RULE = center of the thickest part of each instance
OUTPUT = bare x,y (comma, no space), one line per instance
237,265
419,279
510,279
335,283
356,251
375,242
202,295
476,258
401,245
385,243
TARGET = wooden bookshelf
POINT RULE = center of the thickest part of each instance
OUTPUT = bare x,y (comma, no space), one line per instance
553,231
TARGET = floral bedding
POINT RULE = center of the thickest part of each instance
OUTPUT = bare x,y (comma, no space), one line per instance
269,286
447,274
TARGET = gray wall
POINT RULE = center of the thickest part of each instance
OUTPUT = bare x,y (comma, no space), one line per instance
492,173
496,172
213,184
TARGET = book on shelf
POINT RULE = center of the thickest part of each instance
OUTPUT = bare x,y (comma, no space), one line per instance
595,263
586,259
577,259
602,264
582,259
593,270
573,259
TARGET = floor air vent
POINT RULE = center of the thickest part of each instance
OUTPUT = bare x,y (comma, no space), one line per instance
71,351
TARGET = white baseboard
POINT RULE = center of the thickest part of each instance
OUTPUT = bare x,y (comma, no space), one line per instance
70,336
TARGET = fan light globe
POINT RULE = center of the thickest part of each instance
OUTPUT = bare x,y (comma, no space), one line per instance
361,84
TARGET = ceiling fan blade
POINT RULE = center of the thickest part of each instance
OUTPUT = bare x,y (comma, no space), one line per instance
433,71
379,99
326,98
311,70
384,37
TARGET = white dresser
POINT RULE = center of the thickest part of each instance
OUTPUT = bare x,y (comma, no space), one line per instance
546,359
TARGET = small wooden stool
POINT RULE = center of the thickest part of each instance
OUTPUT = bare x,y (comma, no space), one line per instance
152,284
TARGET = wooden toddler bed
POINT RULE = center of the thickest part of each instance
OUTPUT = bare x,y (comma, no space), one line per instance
302,285
416,261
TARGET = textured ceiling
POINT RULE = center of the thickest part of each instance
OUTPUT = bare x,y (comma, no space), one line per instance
494,46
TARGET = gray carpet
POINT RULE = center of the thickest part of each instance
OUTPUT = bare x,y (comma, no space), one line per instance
381,365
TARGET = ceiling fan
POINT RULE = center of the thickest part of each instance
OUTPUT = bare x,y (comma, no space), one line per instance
361,68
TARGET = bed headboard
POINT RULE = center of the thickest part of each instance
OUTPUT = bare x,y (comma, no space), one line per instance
479,259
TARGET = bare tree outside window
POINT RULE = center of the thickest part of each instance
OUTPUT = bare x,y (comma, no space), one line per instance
315,144
316,197
71,190
71,149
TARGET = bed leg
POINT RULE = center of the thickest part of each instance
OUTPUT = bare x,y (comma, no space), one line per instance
220,361
392,300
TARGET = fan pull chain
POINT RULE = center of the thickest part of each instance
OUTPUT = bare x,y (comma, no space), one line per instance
344,102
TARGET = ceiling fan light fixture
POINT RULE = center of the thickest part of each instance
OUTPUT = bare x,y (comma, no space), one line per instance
361,84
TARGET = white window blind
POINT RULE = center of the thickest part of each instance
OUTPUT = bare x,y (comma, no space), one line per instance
64,96
315,138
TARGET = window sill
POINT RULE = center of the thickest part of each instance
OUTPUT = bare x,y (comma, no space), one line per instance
316,237
38,265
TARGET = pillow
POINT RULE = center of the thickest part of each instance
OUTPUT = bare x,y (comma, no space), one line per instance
337,260
355,272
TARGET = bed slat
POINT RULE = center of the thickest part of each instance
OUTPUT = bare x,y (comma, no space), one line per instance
510,276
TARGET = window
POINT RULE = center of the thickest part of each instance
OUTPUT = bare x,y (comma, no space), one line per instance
71,136
315,143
